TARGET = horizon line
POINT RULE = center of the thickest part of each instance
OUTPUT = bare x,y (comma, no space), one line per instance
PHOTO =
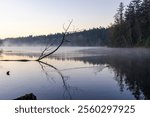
34,35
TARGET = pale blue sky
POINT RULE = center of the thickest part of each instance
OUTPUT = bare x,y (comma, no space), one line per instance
37,17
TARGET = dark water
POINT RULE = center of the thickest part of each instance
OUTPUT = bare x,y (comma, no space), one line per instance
78,73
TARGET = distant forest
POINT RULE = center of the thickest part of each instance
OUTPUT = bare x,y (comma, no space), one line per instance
131,28
92,37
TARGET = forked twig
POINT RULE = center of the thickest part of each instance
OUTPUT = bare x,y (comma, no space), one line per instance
42,56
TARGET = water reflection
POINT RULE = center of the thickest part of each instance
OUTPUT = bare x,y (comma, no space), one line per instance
131,71
66,86
85,74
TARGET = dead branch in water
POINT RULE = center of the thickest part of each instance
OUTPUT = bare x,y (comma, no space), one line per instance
47,48
42,56
20,60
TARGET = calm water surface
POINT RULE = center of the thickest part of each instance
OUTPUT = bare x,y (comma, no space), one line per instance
77,73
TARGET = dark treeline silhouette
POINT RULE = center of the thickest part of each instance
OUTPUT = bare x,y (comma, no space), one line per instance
132,25
91,37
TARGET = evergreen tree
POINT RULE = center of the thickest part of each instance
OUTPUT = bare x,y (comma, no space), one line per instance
132,28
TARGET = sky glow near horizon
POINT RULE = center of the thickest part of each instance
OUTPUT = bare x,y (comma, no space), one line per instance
41,17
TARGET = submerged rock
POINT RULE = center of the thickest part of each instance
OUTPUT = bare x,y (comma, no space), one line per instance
30,96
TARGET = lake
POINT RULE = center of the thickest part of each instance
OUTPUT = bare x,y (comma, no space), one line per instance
78,73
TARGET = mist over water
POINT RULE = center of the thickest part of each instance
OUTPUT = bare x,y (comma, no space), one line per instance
77,73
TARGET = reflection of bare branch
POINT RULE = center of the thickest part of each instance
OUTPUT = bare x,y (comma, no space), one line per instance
99,69
46,72
75,68
65,85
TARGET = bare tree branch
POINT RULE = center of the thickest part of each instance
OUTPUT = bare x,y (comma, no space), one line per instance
47,48
42,56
